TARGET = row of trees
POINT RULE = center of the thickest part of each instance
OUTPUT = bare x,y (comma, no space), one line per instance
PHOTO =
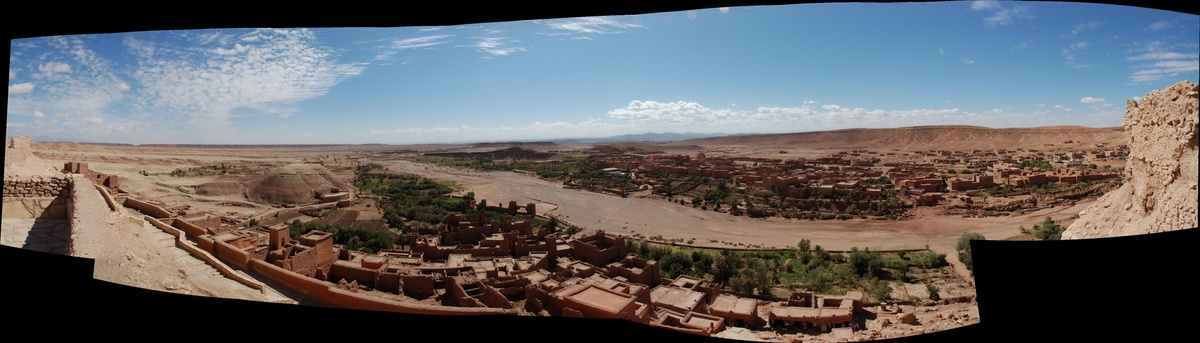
809,267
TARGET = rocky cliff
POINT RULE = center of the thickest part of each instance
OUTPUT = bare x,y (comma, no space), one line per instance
1159,193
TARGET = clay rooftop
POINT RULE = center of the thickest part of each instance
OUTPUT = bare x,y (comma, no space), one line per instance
674,297
598,297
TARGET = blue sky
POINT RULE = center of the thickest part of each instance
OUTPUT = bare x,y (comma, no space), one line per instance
762,69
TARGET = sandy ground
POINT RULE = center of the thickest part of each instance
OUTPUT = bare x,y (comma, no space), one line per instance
126,248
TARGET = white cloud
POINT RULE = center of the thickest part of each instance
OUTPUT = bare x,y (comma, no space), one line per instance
272,75
1080,28
1019,46
497,46
419,42
1003,15
75,83
410,44
20,88
591,25
49,69
1164,69
968,61
237,49
1091,100
723,9
430,29
1160,25
984,5
1179,66
11,74
941,52
670,112
1158,56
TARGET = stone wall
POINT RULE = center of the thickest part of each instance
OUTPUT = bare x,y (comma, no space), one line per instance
36,187
17,150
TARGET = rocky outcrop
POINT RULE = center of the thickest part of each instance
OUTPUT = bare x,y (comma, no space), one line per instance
1159,193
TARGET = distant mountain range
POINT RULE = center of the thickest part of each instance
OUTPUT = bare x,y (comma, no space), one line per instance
645,137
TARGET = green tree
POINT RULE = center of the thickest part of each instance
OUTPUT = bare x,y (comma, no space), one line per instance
724,267
964,248
675,264
550,225
804,245
1048,230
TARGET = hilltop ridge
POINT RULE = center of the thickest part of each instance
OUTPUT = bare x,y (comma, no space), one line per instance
942,137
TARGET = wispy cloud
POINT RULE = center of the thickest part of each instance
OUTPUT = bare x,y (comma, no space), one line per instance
1158,56
280,69
968,61
1165,63
1069,53
1001,14
1091,100
1080,28
591,25
497,46
71,83
410,44
49,69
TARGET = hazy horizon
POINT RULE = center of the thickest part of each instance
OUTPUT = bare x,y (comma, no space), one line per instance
739,70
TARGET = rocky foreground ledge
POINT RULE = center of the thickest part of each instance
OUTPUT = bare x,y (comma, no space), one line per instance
1161,174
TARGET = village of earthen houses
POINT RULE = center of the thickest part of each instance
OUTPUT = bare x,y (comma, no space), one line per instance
823,235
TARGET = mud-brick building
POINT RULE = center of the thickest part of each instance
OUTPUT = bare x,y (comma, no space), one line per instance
736,311
598,249
808,310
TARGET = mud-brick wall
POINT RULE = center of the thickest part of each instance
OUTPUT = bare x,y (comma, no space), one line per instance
32,188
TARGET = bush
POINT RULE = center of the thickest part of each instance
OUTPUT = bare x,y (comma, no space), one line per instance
964,248
804,245
1048,230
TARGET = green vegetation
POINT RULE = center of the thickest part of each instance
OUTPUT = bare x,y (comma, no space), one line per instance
209,170
964,248
1048,230
1039,164
809,267
353,238
410,197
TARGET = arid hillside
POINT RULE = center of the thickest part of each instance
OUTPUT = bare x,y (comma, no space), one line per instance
1160,194
294,184
931,137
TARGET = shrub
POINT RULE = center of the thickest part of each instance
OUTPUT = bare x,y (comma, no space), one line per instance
1048,230
964,248
933,292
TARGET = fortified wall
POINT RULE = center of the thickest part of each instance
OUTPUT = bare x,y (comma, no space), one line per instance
37,198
